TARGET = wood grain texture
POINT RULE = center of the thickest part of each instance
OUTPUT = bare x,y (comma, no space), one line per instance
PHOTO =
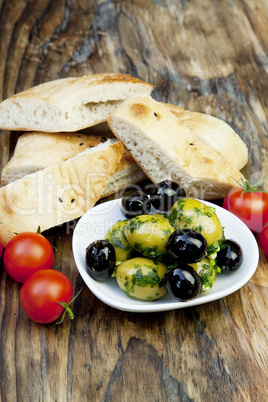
206,56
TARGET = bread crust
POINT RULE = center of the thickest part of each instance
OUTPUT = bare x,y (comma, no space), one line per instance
69,104
38,150
216,133
172,150
59,193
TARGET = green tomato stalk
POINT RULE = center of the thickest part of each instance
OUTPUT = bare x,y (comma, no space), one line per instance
67,309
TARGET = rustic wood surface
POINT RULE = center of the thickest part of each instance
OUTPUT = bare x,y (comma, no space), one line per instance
207,56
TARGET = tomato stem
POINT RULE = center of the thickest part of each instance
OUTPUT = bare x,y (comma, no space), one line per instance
248,188
67,309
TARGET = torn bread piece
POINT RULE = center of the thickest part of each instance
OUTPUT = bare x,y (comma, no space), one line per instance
166,149
216,133
59,193
37,150
69,104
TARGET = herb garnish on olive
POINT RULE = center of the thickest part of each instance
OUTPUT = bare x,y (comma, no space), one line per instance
178,250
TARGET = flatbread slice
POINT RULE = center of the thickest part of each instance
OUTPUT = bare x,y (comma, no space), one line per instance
37,150
165,148
59,193
69,104
216,132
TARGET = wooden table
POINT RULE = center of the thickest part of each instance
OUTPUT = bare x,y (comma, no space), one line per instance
206,56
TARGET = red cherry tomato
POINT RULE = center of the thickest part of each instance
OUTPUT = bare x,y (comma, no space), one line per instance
263,239
249,204
27,253
41,293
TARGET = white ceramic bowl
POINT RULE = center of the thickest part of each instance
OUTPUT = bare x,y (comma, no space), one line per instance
93,226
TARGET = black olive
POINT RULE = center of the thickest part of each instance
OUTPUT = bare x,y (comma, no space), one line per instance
100,260
186,246
135,203
229,257
182,282
164,194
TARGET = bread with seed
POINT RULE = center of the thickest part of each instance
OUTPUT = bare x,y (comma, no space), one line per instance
69,104
58,193
166,149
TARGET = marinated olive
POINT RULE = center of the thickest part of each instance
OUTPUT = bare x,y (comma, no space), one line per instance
148,234
115,235
135,203
141,278
187,246
100,260
164,194
230,256
189,213
207,271
182,282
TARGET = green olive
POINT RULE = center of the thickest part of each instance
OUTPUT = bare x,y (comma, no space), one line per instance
148,234
189,213
115,235
207,272
141,278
